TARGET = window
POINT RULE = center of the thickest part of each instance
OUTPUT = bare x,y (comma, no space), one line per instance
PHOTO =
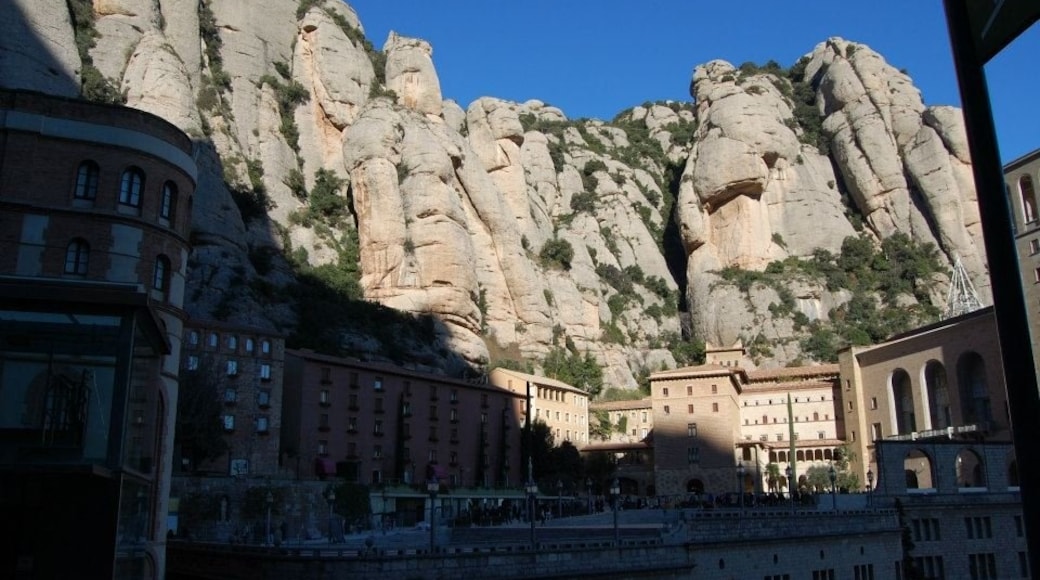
323,421
193,363
1023,565
714,389
693,454
982,566
87,181
779,436
875,432
863,572
265,346
323,447
644,416
323,397
352,404
1034,246
377,452
433,433
664,392
819,434
232,368
454,415
160,279
230,395
826,574
213,340
130,187
378,408
193,338
453,458
433,412
714,407
978,527
691,429
667,409
483,400
249,345
263,398
455,396
377,427
433,393
377,383
262,424
483,418
873,403
1036,275
326,375
229,422
168,202
351,424
689,409
77,256
232,342
265,372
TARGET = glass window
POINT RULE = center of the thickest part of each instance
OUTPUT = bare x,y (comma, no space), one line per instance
168,203
160,280
77,256
232,368
130,187
261,424
265,372
87,180
213,340
265,346
193,338
232,342
193,363
249,345
229,422
263,398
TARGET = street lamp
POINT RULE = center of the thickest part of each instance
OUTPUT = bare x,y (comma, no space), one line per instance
433,487
790,491
559,498
270,501
834,478
741,470
532,494
332,501
588,493
870,488
615,493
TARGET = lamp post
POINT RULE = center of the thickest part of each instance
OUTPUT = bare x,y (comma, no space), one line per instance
433,486
532,494
332,502
559,498
270,501
790,491
588,493
741,470
615,493
870,488
834,478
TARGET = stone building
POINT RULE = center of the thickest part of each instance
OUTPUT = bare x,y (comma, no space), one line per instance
242,367
625,421
373,423
96,207
1022,178
565,409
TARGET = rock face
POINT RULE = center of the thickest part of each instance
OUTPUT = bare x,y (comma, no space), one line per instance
519,232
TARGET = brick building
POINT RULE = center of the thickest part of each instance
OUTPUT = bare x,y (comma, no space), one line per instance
242,367
374,423
95,203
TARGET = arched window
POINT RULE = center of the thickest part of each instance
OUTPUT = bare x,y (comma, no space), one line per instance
213,340
87,180
77,256
969,469
971,373
1028,195
130,187
193,338
938,397
168,204
249,345
902,398
161,277
918,468
265,346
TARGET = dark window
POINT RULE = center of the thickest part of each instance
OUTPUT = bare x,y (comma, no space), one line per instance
161,279
168,205
77,256
87,180
131,186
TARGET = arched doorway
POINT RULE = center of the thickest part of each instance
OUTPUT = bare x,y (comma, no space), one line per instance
695,486
919,470
969,469
903,401
938,397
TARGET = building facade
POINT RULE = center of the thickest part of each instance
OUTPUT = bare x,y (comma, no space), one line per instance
96,206
378,424
242,368
563,408
1022,178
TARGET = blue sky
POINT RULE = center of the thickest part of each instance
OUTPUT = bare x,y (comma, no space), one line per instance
594,58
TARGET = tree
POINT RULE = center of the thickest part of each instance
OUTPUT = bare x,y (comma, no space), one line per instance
200,434
773,476
818,478
599,426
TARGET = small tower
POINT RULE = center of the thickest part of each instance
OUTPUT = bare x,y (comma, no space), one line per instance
962,298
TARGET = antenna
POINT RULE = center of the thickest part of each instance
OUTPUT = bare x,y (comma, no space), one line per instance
962,298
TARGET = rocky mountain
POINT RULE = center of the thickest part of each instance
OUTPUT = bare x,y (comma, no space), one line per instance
344,201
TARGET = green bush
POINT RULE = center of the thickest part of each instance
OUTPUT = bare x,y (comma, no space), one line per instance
557,253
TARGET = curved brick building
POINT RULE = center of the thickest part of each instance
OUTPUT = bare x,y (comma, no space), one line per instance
95,208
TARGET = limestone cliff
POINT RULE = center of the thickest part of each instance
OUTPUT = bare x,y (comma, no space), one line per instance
514,231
